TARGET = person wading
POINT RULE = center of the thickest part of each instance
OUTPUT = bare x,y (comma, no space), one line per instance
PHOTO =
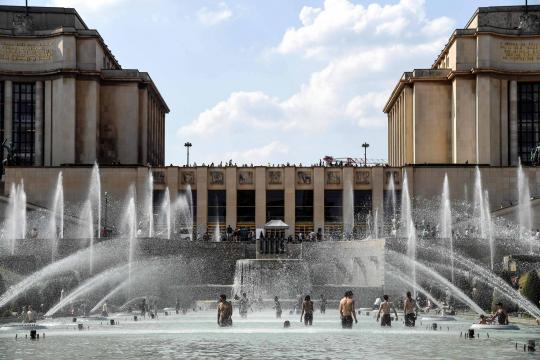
347,311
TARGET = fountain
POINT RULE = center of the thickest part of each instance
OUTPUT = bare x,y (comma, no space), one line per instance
458,293
407,226
166,213
149,203
130,228
94,195
482,212
16,216
524,208
56,222
446,222
87,231
348,209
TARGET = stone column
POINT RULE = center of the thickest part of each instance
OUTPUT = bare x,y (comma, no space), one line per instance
260,197
513,123
8,112
504,131
202,199
290,198
318,198
230,186
483,120
47,124
38,126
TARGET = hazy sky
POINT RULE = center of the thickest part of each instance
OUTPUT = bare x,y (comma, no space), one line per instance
264,81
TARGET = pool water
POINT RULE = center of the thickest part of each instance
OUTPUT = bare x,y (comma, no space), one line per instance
261,336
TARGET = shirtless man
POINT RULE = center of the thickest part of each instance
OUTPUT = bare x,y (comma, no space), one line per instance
409,310
347,310
385,308
224,312
307,311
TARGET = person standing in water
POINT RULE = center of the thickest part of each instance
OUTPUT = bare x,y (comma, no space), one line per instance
500,315
347,310
323,304
30,316
409,310
277,307
307,311
385,308
224,312
244,305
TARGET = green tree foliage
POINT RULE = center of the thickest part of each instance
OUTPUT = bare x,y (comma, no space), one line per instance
530,286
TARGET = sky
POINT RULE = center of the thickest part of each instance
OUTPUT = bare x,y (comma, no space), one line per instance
274,81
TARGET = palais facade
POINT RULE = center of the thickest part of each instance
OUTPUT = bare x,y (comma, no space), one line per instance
65,99
479,103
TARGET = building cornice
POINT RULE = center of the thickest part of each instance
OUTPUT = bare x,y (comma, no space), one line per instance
64,31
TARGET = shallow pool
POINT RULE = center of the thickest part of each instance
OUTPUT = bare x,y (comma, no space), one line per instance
196,336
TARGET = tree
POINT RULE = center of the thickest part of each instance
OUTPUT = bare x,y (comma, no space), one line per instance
530,286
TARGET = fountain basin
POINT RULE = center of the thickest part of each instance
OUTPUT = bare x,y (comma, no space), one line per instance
438,318
494,327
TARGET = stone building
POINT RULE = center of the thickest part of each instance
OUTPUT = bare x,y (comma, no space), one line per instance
65,99
479,103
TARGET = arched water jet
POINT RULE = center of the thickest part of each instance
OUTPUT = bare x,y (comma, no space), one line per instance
438,277
400,277
103,249
446,222
110,294
129,227
94,195
407,226
524,207
110,275
56,222
490,279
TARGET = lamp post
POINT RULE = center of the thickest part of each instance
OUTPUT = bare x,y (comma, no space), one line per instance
365,146
187,145
105,232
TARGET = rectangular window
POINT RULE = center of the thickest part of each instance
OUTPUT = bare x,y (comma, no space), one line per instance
23,123
304,206
217,207
362,207
275,205
528,120
333,206
245,208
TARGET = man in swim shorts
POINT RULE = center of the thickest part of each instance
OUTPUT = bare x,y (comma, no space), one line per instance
347,311
409,310
224,312
386,306
307,311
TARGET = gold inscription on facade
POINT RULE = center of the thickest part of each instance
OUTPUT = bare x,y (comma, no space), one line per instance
520,51
25,52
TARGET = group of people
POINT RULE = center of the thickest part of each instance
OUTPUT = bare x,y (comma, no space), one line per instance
347,311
